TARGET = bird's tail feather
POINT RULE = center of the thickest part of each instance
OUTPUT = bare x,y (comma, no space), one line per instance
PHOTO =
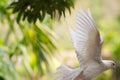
63,73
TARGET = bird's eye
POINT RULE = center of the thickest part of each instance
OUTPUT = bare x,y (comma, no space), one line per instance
113,64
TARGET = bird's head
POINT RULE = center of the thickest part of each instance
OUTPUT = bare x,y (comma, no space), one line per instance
109,64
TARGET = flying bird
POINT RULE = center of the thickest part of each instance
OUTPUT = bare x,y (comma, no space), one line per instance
87,43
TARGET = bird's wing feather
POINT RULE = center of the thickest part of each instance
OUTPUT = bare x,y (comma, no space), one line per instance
86,38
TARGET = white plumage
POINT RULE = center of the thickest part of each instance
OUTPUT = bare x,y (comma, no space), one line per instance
87,43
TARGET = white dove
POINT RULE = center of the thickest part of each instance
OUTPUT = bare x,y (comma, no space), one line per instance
87,43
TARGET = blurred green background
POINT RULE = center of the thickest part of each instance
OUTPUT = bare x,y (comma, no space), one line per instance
34,36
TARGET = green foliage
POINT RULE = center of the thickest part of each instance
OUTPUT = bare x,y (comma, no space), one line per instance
116,55
7,68
38,9
40,40
104,76
33,44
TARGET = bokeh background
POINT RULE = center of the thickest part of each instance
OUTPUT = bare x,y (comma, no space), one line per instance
32,50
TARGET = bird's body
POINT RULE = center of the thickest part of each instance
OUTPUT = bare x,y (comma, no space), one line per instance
87,43
91,70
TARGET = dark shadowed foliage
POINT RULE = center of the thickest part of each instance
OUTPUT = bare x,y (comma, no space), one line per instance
38,9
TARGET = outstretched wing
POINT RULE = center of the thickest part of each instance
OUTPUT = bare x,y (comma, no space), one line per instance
86,38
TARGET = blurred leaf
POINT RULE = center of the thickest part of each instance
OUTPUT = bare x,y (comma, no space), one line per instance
43,46
9,69
35,39
2,78
37,9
